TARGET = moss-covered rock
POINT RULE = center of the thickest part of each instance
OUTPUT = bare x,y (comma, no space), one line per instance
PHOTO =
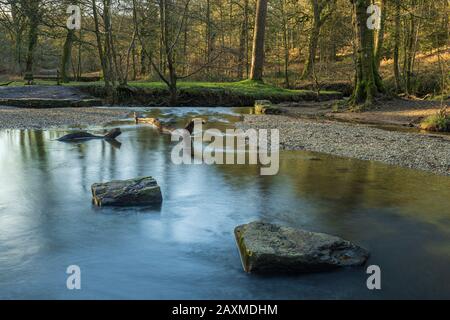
266,107
133,192
269,248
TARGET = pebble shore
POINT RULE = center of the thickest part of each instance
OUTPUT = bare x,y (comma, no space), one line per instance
412,150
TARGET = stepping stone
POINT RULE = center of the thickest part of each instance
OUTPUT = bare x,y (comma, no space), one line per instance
266,107
123,193
269,248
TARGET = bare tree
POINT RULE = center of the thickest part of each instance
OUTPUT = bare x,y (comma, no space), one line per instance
14,20
320,15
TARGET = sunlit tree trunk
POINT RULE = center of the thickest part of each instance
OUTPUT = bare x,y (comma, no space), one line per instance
208,38
256,72
397,27
285,43
243,44
380,36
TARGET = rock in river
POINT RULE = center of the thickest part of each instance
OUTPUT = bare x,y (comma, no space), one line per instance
266,107
268,248
133,192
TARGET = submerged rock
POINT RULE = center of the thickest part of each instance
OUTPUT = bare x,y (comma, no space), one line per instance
82,135
133,192
268,248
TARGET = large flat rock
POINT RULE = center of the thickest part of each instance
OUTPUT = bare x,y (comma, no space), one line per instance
133,192
269,248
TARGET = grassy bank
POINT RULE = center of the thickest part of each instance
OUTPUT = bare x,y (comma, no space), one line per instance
241,93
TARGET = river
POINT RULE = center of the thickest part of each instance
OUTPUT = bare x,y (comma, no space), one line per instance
185,249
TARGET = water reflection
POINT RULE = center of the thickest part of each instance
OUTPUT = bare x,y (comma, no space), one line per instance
185,248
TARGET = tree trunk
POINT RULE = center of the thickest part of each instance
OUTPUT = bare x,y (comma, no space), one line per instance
256,72
397,45
18,53
109,49
67,55
32,12
380,37
133,61
101,53
166,21
313,40
407,62
243,42
368,81
17,19
143,71
285,44
208,39
80,46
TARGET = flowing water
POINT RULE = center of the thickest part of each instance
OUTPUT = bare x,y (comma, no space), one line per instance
185,249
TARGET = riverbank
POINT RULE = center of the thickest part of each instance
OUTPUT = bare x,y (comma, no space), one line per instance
427,152
203,94
31,118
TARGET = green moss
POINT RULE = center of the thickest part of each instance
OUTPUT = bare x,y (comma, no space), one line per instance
246,87
258,90
244,253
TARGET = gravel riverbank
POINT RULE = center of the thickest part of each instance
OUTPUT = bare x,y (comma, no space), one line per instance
22,118
412,150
